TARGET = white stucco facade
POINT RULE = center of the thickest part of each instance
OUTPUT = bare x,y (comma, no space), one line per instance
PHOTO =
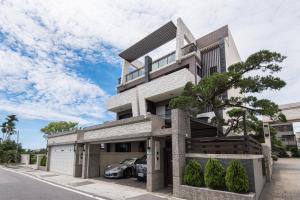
159,89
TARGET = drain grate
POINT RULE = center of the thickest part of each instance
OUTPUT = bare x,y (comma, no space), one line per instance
76,184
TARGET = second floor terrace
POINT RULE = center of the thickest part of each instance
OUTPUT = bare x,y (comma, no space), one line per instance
166,60
133,69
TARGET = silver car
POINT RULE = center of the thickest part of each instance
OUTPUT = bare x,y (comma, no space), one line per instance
124,169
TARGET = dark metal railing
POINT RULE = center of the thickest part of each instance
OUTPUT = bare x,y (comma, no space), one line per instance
224,145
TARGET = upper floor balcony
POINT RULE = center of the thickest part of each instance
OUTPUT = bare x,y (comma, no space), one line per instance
186,51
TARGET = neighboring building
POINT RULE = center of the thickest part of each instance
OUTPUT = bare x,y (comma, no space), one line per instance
285,132
144,124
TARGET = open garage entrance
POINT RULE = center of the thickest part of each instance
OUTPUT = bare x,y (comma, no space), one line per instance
145,163
116,162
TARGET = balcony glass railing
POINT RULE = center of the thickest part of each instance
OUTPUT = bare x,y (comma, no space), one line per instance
161,62
134,74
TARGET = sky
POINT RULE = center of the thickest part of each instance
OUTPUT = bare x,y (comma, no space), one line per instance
59,58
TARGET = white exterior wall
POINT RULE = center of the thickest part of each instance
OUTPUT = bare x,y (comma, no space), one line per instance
231,56
259,178
124,101
163,87
70,138
25,159
291,111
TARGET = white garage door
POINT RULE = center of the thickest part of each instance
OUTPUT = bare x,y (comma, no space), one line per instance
62,159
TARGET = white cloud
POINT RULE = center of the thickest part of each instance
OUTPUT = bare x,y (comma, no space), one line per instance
50,31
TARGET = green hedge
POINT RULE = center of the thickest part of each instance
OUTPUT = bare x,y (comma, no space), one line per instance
32,159
236,178
193,174
214,174
43,161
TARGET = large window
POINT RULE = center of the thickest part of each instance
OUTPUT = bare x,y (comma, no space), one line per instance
123,147
199,71
213,70
284,128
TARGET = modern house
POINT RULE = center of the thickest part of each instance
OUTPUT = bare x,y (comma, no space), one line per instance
285,132
144,123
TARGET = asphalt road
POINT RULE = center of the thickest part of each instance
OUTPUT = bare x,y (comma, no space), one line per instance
15,186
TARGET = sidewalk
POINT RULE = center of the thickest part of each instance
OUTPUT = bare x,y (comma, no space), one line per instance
102,189
285,182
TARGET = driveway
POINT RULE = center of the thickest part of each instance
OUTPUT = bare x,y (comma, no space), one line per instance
285,184
106,189
14,186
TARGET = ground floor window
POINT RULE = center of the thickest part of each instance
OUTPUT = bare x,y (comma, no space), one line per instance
123,147
142,147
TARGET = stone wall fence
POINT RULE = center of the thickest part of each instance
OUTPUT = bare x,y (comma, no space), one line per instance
255,169
25,159
38,162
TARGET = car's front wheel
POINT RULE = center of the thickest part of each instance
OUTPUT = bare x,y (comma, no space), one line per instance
127,173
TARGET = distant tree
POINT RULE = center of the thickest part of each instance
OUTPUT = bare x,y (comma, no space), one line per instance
8,128
255,75
10,151
59,126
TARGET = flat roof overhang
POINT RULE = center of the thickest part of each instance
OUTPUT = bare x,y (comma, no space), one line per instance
154,40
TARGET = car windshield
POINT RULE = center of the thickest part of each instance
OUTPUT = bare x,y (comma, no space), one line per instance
142,160
128,161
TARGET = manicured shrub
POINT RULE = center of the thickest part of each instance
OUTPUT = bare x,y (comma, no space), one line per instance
32,159
295,152
43,161
193,174
275,158
214,174
236,178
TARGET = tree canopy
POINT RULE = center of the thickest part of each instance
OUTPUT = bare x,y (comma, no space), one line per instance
58,126
254,75
8,127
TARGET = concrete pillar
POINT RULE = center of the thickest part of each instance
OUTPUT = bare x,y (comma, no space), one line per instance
85,160
77,171
125,69
183,33
93,169
267,151
48,158
143,106
267,134
148,68
38,160
135,105
155,164
180,129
